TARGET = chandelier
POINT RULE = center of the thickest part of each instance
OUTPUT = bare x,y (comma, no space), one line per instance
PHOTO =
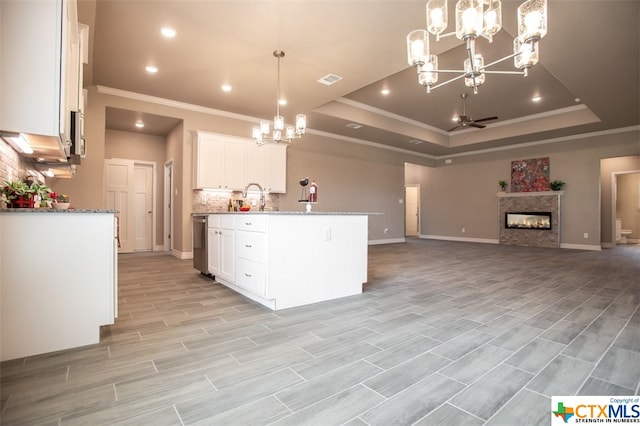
262,133
476,18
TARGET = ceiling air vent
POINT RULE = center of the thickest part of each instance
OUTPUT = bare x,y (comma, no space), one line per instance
354,126
415,141
329,79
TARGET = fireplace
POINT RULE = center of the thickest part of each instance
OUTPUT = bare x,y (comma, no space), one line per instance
529,229
528,220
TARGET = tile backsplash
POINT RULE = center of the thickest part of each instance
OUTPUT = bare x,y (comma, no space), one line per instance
12,165
218,201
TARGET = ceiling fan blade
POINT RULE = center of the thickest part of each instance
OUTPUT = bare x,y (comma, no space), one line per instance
454,128
479,126
486,119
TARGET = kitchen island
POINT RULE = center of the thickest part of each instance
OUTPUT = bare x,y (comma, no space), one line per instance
58,275
287,259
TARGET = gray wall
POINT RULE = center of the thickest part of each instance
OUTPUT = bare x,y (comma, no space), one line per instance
462,194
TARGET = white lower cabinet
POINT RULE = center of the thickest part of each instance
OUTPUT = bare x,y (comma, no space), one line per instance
221,246
288,260
59,280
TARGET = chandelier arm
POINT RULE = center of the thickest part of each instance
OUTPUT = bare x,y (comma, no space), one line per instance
513,55
447,82
505,72
443,71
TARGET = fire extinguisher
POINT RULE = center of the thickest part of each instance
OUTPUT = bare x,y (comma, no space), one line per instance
313,192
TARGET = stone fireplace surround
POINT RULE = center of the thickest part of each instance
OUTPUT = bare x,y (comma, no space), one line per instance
544,201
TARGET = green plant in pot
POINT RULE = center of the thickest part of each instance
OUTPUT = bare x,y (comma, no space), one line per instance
18,194
556,185
503,185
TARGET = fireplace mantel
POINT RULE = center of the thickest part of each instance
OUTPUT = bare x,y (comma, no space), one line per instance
528,194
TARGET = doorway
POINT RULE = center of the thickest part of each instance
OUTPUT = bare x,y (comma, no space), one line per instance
168,206
412,210
130,188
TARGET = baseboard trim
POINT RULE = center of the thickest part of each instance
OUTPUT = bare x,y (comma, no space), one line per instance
581,247
387,241
182,254
462,239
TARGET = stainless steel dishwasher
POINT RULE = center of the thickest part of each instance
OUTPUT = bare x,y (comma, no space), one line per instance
200,243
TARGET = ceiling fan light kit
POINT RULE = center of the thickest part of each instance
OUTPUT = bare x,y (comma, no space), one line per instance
476,18
262,133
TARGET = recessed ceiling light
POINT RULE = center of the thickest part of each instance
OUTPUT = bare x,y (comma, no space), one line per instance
385,91
151,69
226,87
168,32
536,98
455,118
577,100
139,124
354,125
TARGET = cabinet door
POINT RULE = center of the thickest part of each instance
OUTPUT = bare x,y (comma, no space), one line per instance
213,255
235,163
227,265
257,164
276,168
208,162
34,42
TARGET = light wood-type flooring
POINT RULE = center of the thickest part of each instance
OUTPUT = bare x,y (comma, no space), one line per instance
445,333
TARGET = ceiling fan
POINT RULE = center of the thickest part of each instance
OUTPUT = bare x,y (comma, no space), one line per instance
465,120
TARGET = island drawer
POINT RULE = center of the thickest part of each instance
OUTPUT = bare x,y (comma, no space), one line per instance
251,246
251,276
256,223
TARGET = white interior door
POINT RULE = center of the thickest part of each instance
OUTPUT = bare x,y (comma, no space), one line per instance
143,207
412,210
168,202
119,195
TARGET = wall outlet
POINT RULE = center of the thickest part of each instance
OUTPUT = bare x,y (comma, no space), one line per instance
326,234
386,230
586,235
400,201
464,230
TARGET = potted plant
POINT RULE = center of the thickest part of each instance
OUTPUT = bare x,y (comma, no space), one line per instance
41,194
18,194
556,185
503,185
60,201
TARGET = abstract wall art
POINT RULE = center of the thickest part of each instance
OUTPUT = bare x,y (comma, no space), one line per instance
530,175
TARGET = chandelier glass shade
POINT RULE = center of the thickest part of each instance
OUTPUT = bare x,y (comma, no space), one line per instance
476,18
263,134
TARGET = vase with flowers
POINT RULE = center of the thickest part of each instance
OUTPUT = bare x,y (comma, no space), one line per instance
59,201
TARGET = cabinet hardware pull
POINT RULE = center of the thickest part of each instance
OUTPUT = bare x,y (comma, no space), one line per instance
247,275
248,223
247,245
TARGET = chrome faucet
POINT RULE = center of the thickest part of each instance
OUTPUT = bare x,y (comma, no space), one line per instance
262,201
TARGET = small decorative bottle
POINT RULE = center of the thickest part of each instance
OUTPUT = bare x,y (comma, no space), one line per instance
313,192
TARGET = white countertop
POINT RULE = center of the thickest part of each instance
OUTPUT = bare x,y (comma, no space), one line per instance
302,213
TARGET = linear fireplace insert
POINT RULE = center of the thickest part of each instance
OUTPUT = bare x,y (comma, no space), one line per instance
527,220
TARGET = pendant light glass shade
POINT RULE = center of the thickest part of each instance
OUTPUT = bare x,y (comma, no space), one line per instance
532,20
301,124
469,19
437,17
474,75
426,74
492,19
417,47
526,54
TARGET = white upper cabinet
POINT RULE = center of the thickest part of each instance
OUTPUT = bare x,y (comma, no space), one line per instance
228,162
38,78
